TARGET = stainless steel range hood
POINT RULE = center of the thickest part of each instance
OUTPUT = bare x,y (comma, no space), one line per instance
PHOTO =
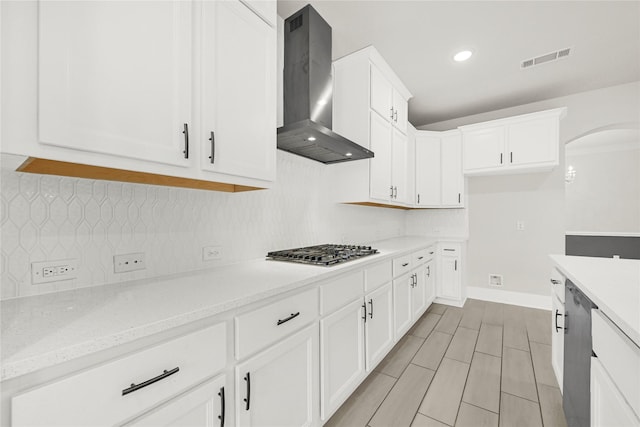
308,88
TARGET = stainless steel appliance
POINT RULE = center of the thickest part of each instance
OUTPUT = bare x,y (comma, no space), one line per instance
308,93
576,398
322,254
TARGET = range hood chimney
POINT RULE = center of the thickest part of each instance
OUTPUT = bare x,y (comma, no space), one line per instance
308,88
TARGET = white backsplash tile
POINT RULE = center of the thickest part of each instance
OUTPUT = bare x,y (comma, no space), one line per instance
438,222
50,218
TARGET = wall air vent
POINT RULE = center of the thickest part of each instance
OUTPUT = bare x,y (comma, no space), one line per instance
547,57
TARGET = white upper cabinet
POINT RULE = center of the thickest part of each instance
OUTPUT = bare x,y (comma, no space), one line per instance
115,78
439,178
148,86
266,9
370,108
238,136
526,143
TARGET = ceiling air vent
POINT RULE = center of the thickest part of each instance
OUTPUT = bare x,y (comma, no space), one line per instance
547,57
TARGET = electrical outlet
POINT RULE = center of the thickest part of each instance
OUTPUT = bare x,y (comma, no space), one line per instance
520,225
495,280
129,262
210,253
53,271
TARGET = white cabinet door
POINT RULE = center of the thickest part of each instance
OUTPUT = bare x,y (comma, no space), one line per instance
430,281
400,112
452,177
449,274
238,133
381,94
399,167
204,406
402,307
428,165
419,293
380,171
115,77
378,328
608,407
532,141
557,337
483,148
342,355
279,386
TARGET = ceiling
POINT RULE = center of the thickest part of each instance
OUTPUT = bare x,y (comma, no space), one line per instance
419,38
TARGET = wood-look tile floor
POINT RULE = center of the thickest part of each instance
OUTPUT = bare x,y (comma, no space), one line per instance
485,364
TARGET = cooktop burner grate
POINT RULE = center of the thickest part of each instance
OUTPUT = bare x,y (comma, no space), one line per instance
322,254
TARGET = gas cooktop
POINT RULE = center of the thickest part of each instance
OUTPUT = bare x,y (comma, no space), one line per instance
322,254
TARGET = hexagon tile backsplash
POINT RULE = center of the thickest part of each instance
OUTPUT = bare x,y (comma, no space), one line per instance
51,218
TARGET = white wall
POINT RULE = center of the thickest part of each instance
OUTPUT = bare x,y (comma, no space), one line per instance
51,218
605,194
496,203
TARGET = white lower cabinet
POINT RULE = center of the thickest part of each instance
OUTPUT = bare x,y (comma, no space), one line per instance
278,387
204,406
449,273
429,282
608,407
419,302
342,356
557,337
402,304
378,328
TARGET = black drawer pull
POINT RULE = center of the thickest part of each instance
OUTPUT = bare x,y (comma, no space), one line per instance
162,376
405,264
420,257
558,314
247,399
449,250
213,147
555,281
293,315
222,406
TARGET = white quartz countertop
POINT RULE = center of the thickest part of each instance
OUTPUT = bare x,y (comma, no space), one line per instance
612,284
45,330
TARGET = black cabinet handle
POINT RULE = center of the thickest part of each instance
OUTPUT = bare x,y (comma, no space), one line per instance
185,131
135,387
428,271
391,195
405,264
213,147
222,406
420,257
293,316
395,116
247,399
391,113
455,265
418,198
511,157
431,253
371,309
557,314
500,158
555,281
365,313
458,197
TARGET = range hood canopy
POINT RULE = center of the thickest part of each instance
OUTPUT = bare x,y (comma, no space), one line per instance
308,88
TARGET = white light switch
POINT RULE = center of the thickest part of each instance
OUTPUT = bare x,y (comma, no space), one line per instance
520,225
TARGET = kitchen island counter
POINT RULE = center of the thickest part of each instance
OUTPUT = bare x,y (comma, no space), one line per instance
612,284
46,330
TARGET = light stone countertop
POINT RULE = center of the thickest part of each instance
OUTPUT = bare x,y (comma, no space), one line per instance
45,330
612,284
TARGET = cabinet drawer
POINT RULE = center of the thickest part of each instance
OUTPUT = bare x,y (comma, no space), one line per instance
376,276
619,356
402,265
341,291
95,396
450,250
259,328
420,257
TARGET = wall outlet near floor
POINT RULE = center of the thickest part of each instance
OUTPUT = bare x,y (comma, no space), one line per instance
129,262
210,253
53,271
495,280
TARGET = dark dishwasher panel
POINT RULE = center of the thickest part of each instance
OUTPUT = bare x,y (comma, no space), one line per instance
576,399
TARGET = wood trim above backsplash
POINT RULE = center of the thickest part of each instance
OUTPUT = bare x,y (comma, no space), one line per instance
77,170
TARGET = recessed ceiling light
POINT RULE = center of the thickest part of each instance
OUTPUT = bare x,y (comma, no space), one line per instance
348,154
462,56
311,138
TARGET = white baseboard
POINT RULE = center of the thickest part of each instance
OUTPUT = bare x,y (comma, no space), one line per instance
509,297
445,301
